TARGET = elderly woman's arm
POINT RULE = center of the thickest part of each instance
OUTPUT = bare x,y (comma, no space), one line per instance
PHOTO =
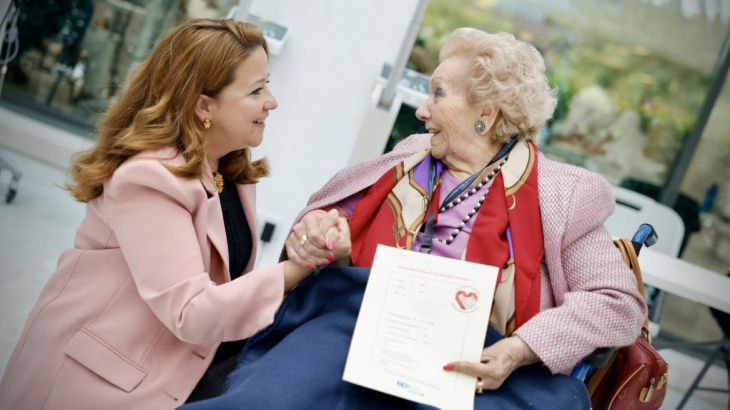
602,307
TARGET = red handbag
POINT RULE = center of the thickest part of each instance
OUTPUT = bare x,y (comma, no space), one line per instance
636,375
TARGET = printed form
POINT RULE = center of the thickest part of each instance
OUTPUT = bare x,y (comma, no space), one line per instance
418,313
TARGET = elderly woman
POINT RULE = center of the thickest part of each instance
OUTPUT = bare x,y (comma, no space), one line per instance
479,190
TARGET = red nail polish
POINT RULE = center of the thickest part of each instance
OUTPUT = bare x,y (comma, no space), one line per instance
311,266
325,264
449,367
330,257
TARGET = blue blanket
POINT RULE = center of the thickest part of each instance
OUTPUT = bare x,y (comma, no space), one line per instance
298,361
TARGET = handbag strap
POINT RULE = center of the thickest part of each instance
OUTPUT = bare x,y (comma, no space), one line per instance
629,255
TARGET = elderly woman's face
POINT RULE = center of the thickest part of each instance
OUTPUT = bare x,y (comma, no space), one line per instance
448,113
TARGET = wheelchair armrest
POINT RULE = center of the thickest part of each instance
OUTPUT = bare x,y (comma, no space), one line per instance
600,357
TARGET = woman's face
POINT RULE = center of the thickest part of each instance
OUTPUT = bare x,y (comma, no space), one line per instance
238,113
448,113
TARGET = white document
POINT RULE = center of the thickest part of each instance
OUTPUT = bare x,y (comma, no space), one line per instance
420,312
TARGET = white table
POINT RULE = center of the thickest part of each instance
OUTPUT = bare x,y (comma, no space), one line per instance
691,282
685,279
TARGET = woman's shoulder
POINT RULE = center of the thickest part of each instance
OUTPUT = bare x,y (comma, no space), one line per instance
568,191
151,171
553,167
560,176
413,143
156,158
155,161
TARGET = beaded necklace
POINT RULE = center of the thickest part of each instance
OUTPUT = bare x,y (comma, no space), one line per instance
457,194
476,208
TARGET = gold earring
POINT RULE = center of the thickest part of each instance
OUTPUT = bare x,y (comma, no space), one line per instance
207,123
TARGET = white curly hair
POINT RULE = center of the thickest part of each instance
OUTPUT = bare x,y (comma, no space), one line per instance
508,74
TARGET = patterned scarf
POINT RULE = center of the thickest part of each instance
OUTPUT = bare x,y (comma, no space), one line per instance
393,209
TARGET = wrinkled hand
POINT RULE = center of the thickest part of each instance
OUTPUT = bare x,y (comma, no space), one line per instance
340,234
498,361
318,239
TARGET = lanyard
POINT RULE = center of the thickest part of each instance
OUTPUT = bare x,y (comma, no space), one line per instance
427,238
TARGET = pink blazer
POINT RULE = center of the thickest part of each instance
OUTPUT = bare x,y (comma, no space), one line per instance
589,296
136,309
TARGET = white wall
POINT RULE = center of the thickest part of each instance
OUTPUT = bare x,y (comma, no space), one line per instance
323,81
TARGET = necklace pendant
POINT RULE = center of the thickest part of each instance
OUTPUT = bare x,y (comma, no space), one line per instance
218,178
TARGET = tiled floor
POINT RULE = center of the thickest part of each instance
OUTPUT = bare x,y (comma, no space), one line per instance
41,221
682,371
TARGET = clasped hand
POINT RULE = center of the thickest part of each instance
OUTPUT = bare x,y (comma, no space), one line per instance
318,239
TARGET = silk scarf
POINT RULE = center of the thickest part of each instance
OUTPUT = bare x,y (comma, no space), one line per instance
392,211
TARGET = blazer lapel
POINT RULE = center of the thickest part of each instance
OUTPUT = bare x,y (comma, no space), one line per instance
216,229
217,232
247,193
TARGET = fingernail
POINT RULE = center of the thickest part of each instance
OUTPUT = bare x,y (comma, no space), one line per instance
449,367
330,257
330,245
325,263
310,266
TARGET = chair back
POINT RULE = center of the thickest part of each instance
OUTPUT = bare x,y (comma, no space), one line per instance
633,209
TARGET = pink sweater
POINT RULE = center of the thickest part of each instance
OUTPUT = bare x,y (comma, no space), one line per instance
589,296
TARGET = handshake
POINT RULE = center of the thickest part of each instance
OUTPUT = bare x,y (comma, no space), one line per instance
319,238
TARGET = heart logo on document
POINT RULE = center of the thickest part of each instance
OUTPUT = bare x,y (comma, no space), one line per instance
466,299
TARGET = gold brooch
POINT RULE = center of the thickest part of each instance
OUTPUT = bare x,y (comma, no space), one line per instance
218,178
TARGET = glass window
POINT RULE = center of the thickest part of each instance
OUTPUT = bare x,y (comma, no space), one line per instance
74,55
629,73
707,184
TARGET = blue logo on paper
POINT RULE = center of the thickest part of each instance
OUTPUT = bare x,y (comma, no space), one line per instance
408,387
